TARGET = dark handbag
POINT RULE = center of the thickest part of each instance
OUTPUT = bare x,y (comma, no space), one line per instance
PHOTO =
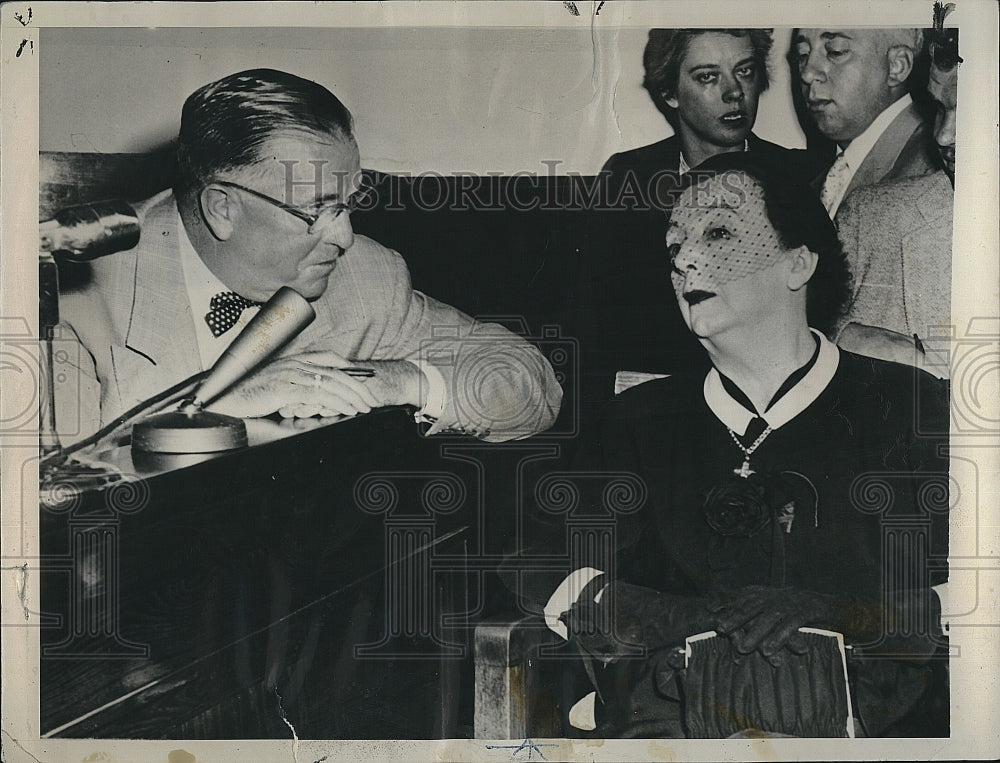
725,693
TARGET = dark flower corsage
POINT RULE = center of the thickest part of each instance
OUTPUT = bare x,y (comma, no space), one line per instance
744,506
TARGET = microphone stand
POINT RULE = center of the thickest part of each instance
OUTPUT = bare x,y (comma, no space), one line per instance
188,434
48,318
56,471
78,233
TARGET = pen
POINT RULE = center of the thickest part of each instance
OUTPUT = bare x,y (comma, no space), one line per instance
356,371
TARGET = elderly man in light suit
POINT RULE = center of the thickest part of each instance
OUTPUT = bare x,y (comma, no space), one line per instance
268,175
898,239
855,84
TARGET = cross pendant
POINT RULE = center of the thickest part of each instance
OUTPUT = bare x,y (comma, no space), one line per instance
745,470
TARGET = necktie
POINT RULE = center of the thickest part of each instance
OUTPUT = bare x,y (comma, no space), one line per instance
225,309
835,184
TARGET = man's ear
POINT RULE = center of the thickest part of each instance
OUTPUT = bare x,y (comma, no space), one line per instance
900,64
219,210
803,265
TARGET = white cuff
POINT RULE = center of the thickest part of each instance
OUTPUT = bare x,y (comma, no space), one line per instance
434,400
582,715
565,596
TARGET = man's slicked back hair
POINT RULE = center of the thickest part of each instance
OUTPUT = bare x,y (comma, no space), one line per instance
225,123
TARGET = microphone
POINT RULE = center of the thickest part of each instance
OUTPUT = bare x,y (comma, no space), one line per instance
192,430
87,231
280,319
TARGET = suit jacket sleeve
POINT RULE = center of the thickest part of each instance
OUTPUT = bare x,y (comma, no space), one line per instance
497,385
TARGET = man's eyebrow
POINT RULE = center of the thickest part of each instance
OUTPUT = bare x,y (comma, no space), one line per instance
745,61
696,67
335,197
799,38
332,198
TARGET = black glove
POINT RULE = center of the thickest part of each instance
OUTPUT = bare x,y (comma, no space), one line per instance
630,616
630,644
767,620
758,618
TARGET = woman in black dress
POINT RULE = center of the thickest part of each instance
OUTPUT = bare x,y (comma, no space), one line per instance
791,485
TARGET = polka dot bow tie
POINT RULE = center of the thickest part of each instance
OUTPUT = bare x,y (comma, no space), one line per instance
225,310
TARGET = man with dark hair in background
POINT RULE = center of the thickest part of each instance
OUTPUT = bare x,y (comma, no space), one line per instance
855,83
268,175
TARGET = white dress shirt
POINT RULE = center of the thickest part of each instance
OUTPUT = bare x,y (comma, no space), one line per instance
202,285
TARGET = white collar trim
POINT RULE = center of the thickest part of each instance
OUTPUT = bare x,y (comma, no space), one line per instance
797,399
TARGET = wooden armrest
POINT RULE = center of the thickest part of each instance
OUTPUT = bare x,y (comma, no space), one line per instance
510,703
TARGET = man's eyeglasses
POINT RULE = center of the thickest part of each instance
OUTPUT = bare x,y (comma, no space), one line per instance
323,214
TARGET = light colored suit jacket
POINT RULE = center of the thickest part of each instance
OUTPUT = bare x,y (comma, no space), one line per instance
905,149
136,328
897,237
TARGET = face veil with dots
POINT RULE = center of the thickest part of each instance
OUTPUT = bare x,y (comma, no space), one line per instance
719,232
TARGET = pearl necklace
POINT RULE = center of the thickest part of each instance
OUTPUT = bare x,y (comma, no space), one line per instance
745,471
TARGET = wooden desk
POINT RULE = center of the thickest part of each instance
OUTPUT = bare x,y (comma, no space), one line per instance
233,598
